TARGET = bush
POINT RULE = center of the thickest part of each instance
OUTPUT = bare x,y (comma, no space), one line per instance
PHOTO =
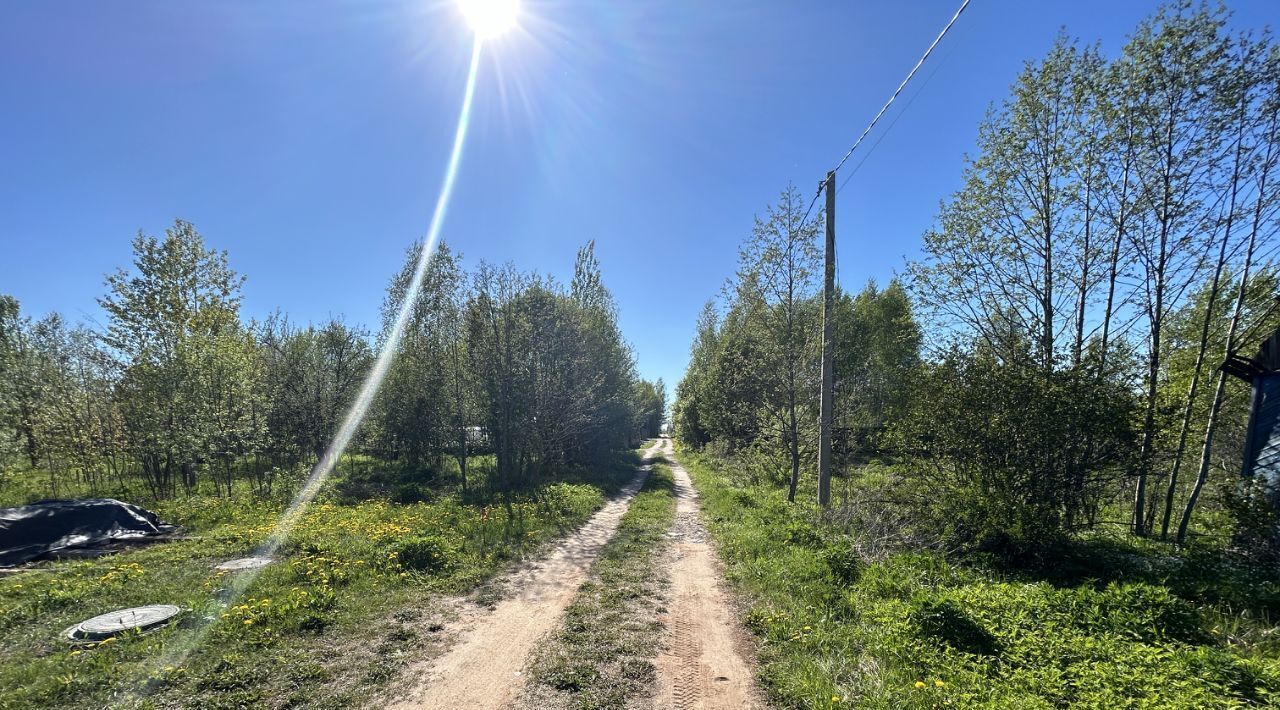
572,501
1008,465
1256,533
407,493
427,553
843,561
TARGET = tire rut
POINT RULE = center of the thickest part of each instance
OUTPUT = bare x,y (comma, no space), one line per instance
485,667
706,663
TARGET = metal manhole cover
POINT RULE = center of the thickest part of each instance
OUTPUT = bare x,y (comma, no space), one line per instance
142,618
244,563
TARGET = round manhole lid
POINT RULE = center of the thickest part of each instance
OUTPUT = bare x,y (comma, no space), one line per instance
244,563
111,623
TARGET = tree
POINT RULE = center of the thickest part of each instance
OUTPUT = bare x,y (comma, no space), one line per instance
1178,60
1262,225
689,414
419,406
877,360
22,384
1006,242
774,292
173,325
311,376
649,405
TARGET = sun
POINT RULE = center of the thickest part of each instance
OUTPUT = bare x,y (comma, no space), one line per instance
489,18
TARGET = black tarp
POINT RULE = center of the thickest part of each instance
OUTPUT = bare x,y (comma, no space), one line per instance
33,531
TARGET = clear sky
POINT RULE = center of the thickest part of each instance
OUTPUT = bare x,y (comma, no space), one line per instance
309,138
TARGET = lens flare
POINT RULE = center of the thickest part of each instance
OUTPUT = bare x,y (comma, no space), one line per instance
180,647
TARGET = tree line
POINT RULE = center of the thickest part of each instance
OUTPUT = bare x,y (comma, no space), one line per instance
178,392
1050,363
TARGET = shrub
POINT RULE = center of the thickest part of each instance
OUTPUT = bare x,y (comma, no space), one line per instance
1256,533
406,493
843,561
1008,464
427,553
569,500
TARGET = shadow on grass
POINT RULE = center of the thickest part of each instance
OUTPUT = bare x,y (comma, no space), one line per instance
947,622
1197,573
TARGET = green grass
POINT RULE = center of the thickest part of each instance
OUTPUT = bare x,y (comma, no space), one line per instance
336,617
603,653
1110,623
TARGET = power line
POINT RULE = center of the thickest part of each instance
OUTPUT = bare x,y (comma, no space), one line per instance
885,132
887,104
902,86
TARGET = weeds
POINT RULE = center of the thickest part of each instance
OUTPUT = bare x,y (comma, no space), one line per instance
602,655
1094,623
334,617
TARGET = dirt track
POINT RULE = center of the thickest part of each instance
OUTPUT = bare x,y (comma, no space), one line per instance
704,664
484,669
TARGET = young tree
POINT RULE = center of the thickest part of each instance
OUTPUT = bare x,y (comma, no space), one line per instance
878,359
169,321
419,404
774,292
1178,59
1261,227
1005,242
689,414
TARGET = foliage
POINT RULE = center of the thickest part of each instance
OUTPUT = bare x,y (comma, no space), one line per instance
1015,453
178,393
305,631
1108,623
1104,192
752,383
426,553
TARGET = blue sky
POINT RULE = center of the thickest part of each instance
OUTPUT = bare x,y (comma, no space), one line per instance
308,138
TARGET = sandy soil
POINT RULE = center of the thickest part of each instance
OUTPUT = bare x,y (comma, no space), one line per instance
707,660
485,668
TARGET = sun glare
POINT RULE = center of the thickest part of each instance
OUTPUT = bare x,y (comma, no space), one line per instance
489,18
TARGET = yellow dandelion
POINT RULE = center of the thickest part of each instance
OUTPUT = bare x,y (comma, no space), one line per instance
919,683
939,683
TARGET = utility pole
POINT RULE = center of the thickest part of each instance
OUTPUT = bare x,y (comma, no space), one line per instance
828,347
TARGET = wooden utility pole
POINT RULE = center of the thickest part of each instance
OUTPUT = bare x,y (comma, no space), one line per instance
828,347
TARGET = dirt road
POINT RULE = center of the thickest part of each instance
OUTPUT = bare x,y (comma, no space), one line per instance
484,669
705,662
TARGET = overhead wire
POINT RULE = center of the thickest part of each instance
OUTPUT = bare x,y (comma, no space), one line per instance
901,86
888,128
876,119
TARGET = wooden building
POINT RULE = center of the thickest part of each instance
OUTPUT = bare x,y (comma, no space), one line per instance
1262,440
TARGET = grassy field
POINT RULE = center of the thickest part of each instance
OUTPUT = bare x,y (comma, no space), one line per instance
1110,624
603,654
348,603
